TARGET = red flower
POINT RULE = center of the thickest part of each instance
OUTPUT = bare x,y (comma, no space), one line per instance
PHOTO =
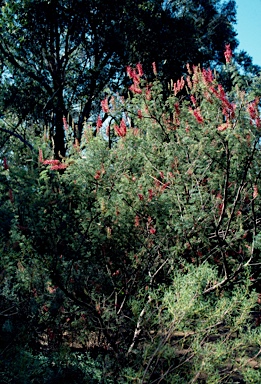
97,175
223,127
152,230
189,82
207,76
133,75
40,156
151,194
104,105
177,109
99,123
228,54
164,186
188,69
197,114
179,85
58,167
252,108
51,162
129,71
141,197
122,129
65,125
148,93
192,98
258,122
139,69
135,89
154,68
139,114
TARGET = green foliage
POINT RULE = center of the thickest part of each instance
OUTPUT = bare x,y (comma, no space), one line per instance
201,337
137,257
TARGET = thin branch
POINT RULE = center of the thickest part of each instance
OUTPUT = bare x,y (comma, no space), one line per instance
224,281
18,136
142,313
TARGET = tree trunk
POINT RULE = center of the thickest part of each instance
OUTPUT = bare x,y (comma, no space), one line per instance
59,136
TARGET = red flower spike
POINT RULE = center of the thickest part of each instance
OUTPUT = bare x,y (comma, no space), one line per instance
99,124
139,69
129,71
177,109
65,125
133,75
192,98
164,186
105,105
189,82
135,89
228,54
123,128
258,122
51,162
148,94
58,167
197,114
154,68
178,86
137,221
188,69
97,176
207,76
223,127
40,156
151,194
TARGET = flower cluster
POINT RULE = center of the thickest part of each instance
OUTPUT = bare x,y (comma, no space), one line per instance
55,165
252,109
197,114
122,129
178,86
105,105
135,74
99,124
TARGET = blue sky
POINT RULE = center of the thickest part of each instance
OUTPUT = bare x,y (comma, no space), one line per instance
249,28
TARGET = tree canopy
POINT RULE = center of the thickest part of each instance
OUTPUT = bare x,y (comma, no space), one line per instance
59,57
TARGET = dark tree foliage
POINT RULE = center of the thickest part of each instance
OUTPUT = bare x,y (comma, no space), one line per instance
59,57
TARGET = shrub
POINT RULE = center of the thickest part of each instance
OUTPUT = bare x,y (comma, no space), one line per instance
143,249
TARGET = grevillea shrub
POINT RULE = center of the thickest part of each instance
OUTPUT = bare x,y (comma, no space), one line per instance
141,261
